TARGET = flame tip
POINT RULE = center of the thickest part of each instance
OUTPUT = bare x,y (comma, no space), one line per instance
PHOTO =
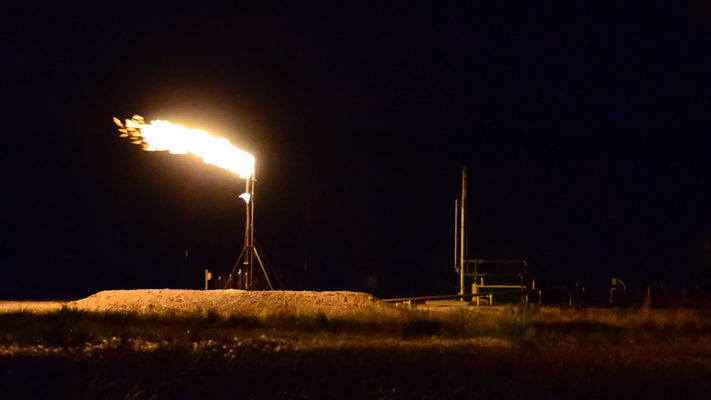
166,136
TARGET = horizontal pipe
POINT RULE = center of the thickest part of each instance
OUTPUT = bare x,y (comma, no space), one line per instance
444,297
480,261
502,286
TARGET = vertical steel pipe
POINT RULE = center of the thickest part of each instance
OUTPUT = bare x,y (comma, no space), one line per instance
462,234
456,238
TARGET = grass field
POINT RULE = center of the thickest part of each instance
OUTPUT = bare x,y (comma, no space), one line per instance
506,352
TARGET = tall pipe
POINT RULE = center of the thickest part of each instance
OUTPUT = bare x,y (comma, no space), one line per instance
462,231
456,236
247,213
244,283
249,251
250,243
249,233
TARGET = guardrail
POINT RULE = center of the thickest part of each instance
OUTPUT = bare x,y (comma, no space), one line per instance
488,295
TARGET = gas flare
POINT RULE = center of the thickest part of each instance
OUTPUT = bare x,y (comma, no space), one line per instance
176,139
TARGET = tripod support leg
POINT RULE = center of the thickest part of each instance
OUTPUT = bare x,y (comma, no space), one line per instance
259,260
244,254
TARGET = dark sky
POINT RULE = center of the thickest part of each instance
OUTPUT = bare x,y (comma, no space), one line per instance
584,126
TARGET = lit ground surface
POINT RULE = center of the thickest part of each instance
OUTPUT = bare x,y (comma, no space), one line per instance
294,352
30,306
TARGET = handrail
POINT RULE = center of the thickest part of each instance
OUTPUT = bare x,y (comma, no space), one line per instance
448,296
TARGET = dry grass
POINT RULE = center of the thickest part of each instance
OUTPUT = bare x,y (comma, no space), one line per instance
543,328
31,306
507,352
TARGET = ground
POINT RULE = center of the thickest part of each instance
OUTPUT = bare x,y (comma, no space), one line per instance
302,345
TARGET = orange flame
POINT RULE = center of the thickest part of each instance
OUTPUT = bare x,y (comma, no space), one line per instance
176,139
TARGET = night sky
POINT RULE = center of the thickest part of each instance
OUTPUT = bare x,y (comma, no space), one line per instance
584,128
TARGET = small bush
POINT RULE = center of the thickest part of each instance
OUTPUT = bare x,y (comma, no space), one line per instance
422,327
312,322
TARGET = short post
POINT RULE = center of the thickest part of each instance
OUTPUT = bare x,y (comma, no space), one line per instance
475,291
583,298
208,276
683,295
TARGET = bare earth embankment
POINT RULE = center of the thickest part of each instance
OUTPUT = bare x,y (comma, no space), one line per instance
160,343
232,302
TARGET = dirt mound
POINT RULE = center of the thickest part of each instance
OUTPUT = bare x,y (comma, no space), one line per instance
226,302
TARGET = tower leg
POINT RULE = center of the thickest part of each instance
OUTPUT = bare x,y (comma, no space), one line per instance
259,260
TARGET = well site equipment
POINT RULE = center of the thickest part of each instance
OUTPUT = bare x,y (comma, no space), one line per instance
471,270
479,279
